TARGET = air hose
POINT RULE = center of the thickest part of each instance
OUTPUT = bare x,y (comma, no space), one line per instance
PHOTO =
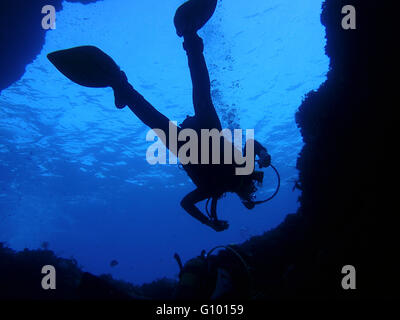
234,252
208,213
256,202
276,190
245,265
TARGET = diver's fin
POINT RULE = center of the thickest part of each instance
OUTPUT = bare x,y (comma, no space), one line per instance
193,15
87,66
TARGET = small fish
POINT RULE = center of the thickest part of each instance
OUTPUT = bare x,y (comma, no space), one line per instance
113,263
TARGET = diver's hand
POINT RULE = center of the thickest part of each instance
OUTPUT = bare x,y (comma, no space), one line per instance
249,204
218,225
265,159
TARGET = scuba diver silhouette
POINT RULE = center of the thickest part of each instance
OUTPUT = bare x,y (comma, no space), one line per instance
89,66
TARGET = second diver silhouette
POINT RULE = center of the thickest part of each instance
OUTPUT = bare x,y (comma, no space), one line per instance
89,66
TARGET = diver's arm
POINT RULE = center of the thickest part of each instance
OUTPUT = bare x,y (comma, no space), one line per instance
258,147
188,203
261,152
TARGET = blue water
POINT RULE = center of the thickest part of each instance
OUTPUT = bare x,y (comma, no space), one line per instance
73,171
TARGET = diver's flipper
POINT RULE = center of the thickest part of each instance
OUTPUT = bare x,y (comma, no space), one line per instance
193,15
87,66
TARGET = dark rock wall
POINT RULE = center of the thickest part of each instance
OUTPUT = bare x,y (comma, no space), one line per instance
344,218
21,35
342,164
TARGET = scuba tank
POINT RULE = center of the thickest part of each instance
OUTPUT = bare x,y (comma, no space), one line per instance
221,276
195,279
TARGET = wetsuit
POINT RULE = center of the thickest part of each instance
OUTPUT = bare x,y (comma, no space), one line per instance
212,180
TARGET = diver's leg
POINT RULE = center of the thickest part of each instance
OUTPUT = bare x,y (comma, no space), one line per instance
125,94
190,17
202,102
